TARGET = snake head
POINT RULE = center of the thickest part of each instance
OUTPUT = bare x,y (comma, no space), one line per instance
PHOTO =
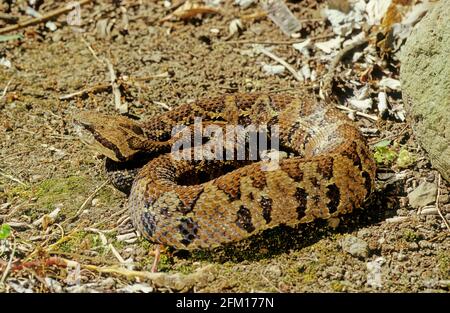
110,135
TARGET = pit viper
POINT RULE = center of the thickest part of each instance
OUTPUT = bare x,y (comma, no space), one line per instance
329,171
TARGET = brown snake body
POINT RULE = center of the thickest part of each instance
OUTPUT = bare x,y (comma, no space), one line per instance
331,173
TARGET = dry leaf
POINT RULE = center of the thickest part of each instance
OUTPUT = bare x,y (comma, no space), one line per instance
391,17
189,10
254,17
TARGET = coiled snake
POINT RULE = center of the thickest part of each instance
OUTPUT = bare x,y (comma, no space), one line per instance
331,173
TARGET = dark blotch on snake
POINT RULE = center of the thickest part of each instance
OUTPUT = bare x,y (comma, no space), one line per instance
188,229
334,195
266,204
244,219
149,223
301,196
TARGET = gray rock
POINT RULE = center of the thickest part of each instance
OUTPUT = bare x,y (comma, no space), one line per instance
424,194
425,79
355,246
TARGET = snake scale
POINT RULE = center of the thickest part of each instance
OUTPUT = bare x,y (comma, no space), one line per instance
330,173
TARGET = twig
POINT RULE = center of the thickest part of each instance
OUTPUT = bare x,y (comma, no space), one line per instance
86,202
393,136
110,217
271,283
116,254
177,4
372,117
6,89
105,86
157,251
162,104
13,178
262,42
8,18
91,50
42,18
282,62
97,88
51,261
8,266
437,203
122,107
327,81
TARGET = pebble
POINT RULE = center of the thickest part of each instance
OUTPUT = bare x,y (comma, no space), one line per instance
424,194
127,236
54,284
396,219
402,212
108,283
355,247
425,244
374,277
413,246
444,199
5,206
144,288
429,211
402,257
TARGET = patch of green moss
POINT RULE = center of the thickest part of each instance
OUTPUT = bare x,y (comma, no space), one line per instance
411,236
165,263
444,265
54,190
20,191
70,191
405,158
74,243
337,286
119,245
185,268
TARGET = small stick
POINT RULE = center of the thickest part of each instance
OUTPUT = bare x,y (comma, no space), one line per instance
8,266
157,251
86,202
326,86
97,88
13,178
52,261
91,50
262,42
391,136
372,117
8,18
105,86
271,283
282,62
116,254
437,203
123,108
100,87
43,18
6,89
162,104
110,217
